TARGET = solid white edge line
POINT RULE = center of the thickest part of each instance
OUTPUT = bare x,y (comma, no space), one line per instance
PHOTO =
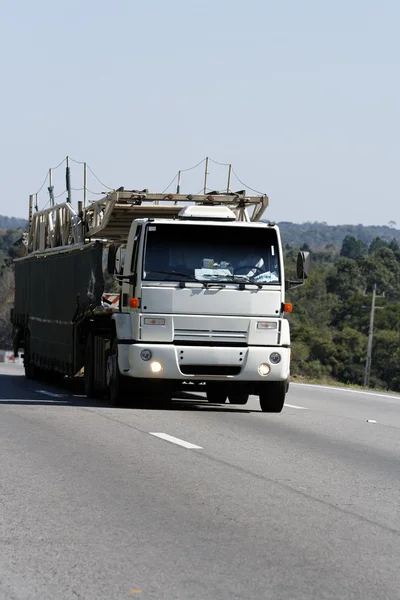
351,391
174,440
294,406
49,394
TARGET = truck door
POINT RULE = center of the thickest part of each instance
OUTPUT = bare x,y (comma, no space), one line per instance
131,265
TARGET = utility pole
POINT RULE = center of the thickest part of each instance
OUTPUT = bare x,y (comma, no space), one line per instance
370,337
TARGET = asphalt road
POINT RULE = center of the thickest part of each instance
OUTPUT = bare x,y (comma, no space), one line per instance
301,505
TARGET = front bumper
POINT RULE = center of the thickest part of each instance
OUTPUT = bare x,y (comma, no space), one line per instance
203,363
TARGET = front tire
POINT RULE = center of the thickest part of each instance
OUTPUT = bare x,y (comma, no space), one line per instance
272,396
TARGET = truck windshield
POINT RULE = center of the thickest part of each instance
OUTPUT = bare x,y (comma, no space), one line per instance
211,253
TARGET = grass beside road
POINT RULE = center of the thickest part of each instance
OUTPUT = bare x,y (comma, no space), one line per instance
334,383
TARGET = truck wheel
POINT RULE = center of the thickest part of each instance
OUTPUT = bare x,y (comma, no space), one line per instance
272,396
116,383
31,371
217,394
89,368
238,398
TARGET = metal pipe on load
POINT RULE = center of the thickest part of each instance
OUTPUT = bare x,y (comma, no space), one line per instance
228,186
30,211
84,184
51,187
68,181
205,177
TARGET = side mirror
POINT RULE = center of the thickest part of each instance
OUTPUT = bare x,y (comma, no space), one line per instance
303,265
114,261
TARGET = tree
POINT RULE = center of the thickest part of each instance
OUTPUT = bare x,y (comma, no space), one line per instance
386,358
376,245
382,268
353,248
346,279
350,354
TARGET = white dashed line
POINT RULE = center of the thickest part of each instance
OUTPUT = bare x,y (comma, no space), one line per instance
174,440
49,394
294,406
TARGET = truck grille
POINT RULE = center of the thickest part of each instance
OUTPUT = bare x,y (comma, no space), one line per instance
182,335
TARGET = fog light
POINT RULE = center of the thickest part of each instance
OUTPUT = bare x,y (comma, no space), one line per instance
156,366
146,355
264,369
275,358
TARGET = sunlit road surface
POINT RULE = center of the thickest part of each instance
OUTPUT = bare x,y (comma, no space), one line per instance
192,500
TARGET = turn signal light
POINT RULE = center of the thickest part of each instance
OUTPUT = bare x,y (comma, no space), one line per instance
134,302
288,307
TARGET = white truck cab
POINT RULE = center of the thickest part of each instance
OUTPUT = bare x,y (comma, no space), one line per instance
203,301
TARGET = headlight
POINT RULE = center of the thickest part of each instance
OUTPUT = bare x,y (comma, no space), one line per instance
146,355
264,369
156,366
275,358
266,325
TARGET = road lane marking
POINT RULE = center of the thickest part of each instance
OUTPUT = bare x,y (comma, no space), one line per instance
294,406
49,394
351,391
174,440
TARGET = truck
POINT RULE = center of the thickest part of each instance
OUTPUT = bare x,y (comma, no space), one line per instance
148,295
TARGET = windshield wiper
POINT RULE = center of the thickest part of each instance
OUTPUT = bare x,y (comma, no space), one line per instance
237,279
178,274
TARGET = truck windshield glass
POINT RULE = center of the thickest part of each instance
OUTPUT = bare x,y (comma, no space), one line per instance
211,253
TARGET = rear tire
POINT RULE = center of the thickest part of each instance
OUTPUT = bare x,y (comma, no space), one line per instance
117,384
89,368
216,394
272,396
31,371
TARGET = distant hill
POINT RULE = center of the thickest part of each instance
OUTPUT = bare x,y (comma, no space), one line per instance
12,223
316,235
319,235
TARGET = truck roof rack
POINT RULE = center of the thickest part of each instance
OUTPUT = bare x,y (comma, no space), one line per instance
110,217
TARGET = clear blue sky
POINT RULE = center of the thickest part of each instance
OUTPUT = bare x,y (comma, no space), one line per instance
303,97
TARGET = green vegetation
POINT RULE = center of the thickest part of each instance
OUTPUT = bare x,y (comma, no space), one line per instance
331,313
